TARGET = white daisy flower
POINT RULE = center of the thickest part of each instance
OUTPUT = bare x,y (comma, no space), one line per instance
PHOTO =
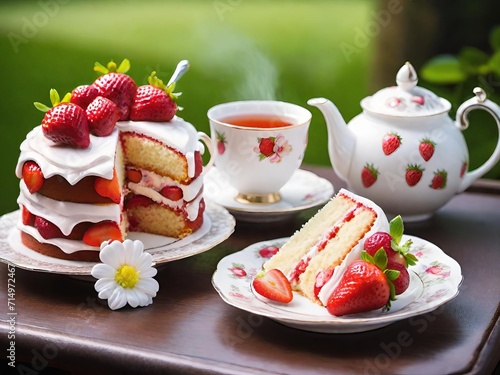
125,275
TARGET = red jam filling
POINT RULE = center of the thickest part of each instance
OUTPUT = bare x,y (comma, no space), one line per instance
321,279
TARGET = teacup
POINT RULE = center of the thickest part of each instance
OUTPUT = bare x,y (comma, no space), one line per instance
258,145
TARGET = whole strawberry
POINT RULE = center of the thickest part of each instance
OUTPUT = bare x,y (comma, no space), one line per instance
65,123
83,95
102,115
154,102
365,285
391,143
369,175
117,86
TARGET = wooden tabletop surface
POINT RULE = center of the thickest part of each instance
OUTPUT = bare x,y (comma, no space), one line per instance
61,323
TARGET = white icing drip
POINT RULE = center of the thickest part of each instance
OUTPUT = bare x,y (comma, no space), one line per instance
68,246
381,224
71,163
157,182
177,134
66,214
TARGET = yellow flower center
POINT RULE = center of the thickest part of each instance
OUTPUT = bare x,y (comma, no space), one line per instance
126,276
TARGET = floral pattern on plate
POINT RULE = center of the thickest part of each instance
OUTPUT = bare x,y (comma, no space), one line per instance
434,280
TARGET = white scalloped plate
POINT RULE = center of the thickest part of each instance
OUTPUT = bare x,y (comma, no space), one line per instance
434,281
218,225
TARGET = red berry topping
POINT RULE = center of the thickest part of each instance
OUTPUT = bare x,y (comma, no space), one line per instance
154,102
102,115
27,217
115,85
108,188
32,176
138,201
103,231
47,229
84,95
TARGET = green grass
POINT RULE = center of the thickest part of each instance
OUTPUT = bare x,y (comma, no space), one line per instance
288,50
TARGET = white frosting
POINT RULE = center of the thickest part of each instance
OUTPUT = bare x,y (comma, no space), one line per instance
99,160
67,214
157,182
381,225
71,163
177,133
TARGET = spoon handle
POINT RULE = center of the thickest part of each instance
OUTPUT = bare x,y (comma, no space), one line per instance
181,68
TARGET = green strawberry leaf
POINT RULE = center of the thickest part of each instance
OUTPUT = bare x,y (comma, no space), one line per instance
124,66
55,99
396,229
380,259
66,98
392,274
99,68
41,107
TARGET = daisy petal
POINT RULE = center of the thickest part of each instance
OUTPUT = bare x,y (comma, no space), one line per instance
110,255
117,300
148,286
132,297
105,287
101,271
149,272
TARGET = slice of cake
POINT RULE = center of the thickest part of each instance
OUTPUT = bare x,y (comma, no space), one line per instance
315,257
86,178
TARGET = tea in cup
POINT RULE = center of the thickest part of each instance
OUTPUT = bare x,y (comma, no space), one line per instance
258,145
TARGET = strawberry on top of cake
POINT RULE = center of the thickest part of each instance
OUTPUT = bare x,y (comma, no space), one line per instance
347,257
107,159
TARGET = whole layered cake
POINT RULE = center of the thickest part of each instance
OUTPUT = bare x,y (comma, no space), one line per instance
108,159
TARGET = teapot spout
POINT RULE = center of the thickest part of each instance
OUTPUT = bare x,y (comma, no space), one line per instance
341,141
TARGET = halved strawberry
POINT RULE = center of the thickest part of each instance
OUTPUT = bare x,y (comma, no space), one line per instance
108,188
47,229
134,175
103,231
173,193
84,95
27,217
102,115
32,176
117,86
273,285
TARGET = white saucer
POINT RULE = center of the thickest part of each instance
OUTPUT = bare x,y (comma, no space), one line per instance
304,190
218,226
435,279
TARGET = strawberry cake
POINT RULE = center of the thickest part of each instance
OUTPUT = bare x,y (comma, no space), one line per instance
109,159
349,228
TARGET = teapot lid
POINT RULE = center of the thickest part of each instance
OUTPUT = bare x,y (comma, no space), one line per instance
406,99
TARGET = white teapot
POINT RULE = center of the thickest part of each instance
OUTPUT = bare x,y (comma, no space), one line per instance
403,151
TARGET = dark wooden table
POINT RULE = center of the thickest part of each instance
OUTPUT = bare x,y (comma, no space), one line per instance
188,329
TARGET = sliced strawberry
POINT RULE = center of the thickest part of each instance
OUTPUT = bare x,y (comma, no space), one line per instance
103,231
47,229
32,176
102,115
173,193
134,175
108,188
138,201
27,217
84,95
273,285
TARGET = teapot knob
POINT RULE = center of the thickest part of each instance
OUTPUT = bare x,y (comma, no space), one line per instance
407,77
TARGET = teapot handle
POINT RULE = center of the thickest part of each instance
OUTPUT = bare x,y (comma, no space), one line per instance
461,121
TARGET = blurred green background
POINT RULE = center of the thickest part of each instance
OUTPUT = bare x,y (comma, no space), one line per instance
238,49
